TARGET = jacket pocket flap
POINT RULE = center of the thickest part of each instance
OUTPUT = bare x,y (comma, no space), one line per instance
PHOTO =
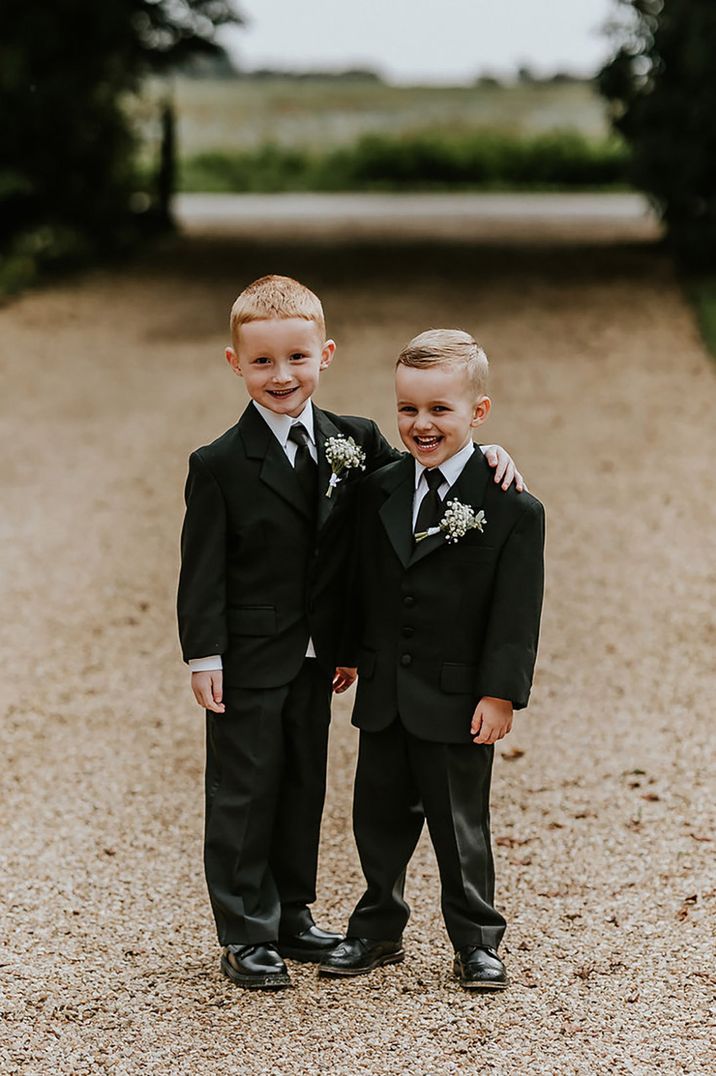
475,551
458,679
252,620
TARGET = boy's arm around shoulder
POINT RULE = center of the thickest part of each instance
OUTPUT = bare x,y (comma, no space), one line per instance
201,599
510,647
378,452
382,453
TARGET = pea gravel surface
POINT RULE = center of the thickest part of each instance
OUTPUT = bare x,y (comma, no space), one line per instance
603,831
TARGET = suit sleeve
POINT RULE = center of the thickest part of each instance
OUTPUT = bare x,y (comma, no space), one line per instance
510,647
380,452
349,639
201,600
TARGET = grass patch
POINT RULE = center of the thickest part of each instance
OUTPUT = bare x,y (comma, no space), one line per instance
237,115
702,292
483,160
45,249
36,251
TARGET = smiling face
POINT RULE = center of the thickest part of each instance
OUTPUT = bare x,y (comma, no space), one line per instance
437,411
280,359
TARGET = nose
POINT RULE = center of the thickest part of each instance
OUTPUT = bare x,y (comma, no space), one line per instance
282,375
423,423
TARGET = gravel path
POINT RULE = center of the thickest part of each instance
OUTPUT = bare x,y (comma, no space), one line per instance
604,841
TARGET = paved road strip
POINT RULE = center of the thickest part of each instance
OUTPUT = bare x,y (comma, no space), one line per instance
194,209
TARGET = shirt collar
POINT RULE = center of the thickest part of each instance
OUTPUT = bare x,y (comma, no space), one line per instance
281,424
452,468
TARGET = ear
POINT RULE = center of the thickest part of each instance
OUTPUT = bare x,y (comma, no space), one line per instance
327,352
233,360
480,410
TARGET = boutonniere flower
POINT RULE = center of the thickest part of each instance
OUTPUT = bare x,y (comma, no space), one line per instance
458,520
343,454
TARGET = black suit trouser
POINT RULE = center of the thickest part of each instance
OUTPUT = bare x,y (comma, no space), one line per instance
265,788
401,782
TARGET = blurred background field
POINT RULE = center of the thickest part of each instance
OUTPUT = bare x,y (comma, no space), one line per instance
324,112
170,96
357,132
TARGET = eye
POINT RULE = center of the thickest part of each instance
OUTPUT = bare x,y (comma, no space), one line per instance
440,407
261,360
406,409
297,357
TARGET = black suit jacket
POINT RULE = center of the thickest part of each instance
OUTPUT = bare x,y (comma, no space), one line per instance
442,625
261,569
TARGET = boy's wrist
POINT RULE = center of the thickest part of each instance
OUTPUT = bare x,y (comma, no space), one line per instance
213,663
501,704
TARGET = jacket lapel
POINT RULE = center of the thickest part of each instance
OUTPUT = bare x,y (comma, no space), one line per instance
428,545
276,472
469,489
396,512
323,429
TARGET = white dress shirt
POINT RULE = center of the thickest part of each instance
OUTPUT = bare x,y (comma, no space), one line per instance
279,426
451,470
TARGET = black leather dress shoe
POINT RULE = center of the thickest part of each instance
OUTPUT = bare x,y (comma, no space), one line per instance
310,946
478,967
258,967
358,956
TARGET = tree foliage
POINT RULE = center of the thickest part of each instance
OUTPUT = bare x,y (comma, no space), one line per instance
662,87
67,150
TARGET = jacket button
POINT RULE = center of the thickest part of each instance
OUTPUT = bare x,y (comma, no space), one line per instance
406,659
408,601
408,633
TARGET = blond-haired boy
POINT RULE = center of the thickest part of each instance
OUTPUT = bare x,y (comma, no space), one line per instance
447,616
261,609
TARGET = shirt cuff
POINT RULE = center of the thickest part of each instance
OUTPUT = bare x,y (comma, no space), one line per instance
210,664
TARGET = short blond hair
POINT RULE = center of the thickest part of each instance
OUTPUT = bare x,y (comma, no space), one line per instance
272,297
448,347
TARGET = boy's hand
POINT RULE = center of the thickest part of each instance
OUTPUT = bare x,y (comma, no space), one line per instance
491,721
343,679
505,470
208,690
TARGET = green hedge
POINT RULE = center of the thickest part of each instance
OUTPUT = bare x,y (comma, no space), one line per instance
41,249
702,292
487,160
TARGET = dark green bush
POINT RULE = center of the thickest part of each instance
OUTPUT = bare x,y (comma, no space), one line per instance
270,168
488,160
69,182
662,87
702,292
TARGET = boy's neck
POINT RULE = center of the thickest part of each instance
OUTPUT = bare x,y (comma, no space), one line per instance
281,416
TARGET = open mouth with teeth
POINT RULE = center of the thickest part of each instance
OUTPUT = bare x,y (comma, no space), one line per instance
428,444
282,394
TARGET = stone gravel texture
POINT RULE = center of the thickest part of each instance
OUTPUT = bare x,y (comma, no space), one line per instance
601,801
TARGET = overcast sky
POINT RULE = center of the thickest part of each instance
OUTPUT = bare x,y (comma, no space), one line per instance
424,40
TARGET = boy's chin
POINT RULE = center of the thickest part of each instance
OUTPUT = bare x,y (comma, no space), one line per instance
291,405
429,459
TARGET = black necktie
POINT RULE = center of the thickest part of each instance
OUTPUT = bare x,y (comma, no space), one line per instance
304,464
431,507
